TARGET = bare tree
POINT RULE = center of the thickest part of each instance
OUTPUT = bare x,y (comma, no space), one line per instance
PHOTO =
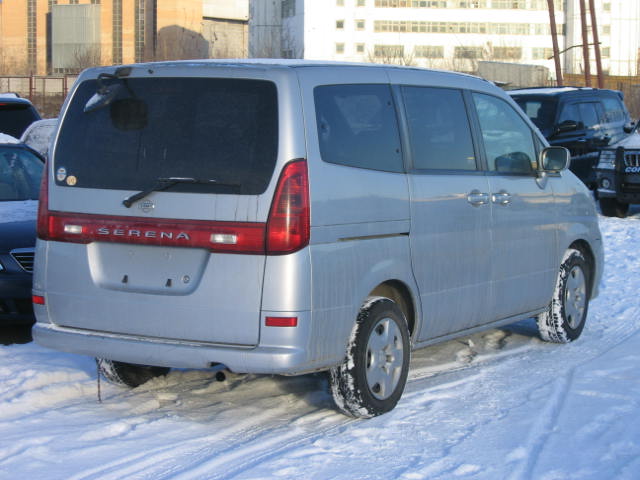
392,55
85,57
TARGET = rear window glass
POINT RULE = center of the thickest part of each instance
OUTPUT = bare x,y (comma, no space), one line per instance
20,173
15,118
202,128
357,126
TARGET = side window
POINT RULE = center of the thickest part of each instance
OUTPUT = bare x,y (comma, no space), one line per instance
508,140
589,113
439,129
570,114
357,126
613,110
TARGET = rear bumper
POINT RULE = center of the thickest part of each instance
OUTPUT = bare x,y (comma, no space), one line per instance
281,351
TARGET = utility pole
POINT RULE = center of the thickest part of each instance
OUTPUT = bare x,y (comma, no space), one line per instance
596,42
585,44
554,40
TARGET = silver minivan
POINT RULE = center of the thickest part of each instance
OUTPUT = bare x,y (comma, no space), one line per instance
287,217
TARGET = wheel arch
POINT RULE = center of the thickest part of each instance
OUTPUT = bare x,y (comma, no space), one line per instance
587,252
400,293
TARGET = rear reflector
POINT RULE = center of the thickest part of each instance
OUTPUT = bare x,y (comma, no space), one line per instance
37,299
281,321
232,237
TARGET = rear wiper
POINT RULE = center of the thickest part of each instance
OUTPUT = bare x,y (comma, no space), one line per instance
166,182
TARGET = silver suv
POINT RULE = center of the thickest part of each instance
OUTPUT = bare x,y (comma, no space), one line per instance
290,217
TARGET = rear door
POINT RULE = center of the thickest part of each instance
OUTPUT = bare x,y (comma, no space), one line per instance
450,212
184,262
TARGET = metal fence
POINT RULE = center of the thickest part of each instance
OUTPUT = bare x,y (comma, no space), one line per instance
46,93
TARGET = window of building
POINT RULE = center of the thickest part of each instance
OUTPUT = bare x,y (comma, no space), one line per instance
605,52
139,17
470,4
509,4
117,31
428,51
606,29
606,6
357,126
339,48
339,3
439,130
32,46
360,3
360,24
410,3
541,53
403,26
288,8
359,47
388,52
467,52
507,53
339,24
73,2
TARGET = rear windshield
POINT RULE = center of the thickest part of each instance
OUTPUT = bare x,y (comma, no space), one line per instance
202,128
541,110
15,118
20,174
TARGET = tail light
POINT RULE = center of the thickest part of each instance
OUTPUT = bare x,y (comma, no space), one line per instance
288,226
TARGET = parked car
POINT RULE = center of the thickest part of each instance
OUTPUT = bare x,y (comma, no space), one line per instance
285,217
618,176
38,135
584,120
16,114
20,172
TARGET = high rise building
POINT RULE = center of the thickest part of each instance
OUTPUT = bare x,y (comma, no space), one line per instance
450,34
57,36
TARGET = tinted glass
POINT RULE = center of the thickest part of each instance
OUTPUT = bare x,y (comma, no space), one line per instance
439,129
569,113
541,111
15,118
589,114
357,126
508,140
20,173
202,128
614,110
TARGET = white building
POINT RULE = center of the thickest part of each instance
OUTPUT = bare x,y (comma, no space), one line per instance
451,34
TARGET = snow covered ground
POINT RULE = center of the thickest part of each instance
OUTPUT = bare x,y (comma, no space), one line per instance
496,405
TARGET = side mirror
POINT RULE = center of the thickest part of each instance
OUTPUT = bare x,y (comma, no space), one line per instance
567,126
555,159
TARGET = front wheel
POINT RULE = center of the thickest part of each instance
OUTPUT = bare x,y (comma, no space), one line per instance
371,379
611,207
128,374
564,319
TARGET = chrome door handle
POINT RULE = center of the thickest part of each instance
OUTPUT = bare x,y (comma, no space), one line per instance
501,198
477,198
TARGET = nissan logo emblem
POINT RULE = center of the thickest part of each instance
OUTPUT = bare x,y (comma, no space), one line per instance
146,206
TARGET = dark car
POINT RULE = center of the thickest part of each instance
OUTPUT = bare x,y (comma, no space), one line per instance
618,175
584,120
16,114
20,174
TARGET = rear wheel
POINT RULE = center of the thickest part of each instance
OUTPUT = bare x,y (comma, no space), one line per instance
128,374
611,207
371,379
564,319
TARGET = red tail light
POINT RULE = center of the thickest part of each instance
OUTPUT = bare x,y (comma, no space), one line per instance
288,225
43,205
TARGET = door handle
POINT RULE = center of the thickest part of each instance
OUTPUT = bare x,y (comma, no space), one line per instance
477,198
501,198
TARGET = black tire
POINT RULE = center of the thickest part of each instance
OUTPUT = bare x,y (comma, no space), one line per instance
564,319
371,379
128,374
610,207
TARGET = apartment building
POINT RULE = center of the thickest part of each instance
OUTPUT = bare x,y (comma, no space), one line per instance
57,36
450,34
